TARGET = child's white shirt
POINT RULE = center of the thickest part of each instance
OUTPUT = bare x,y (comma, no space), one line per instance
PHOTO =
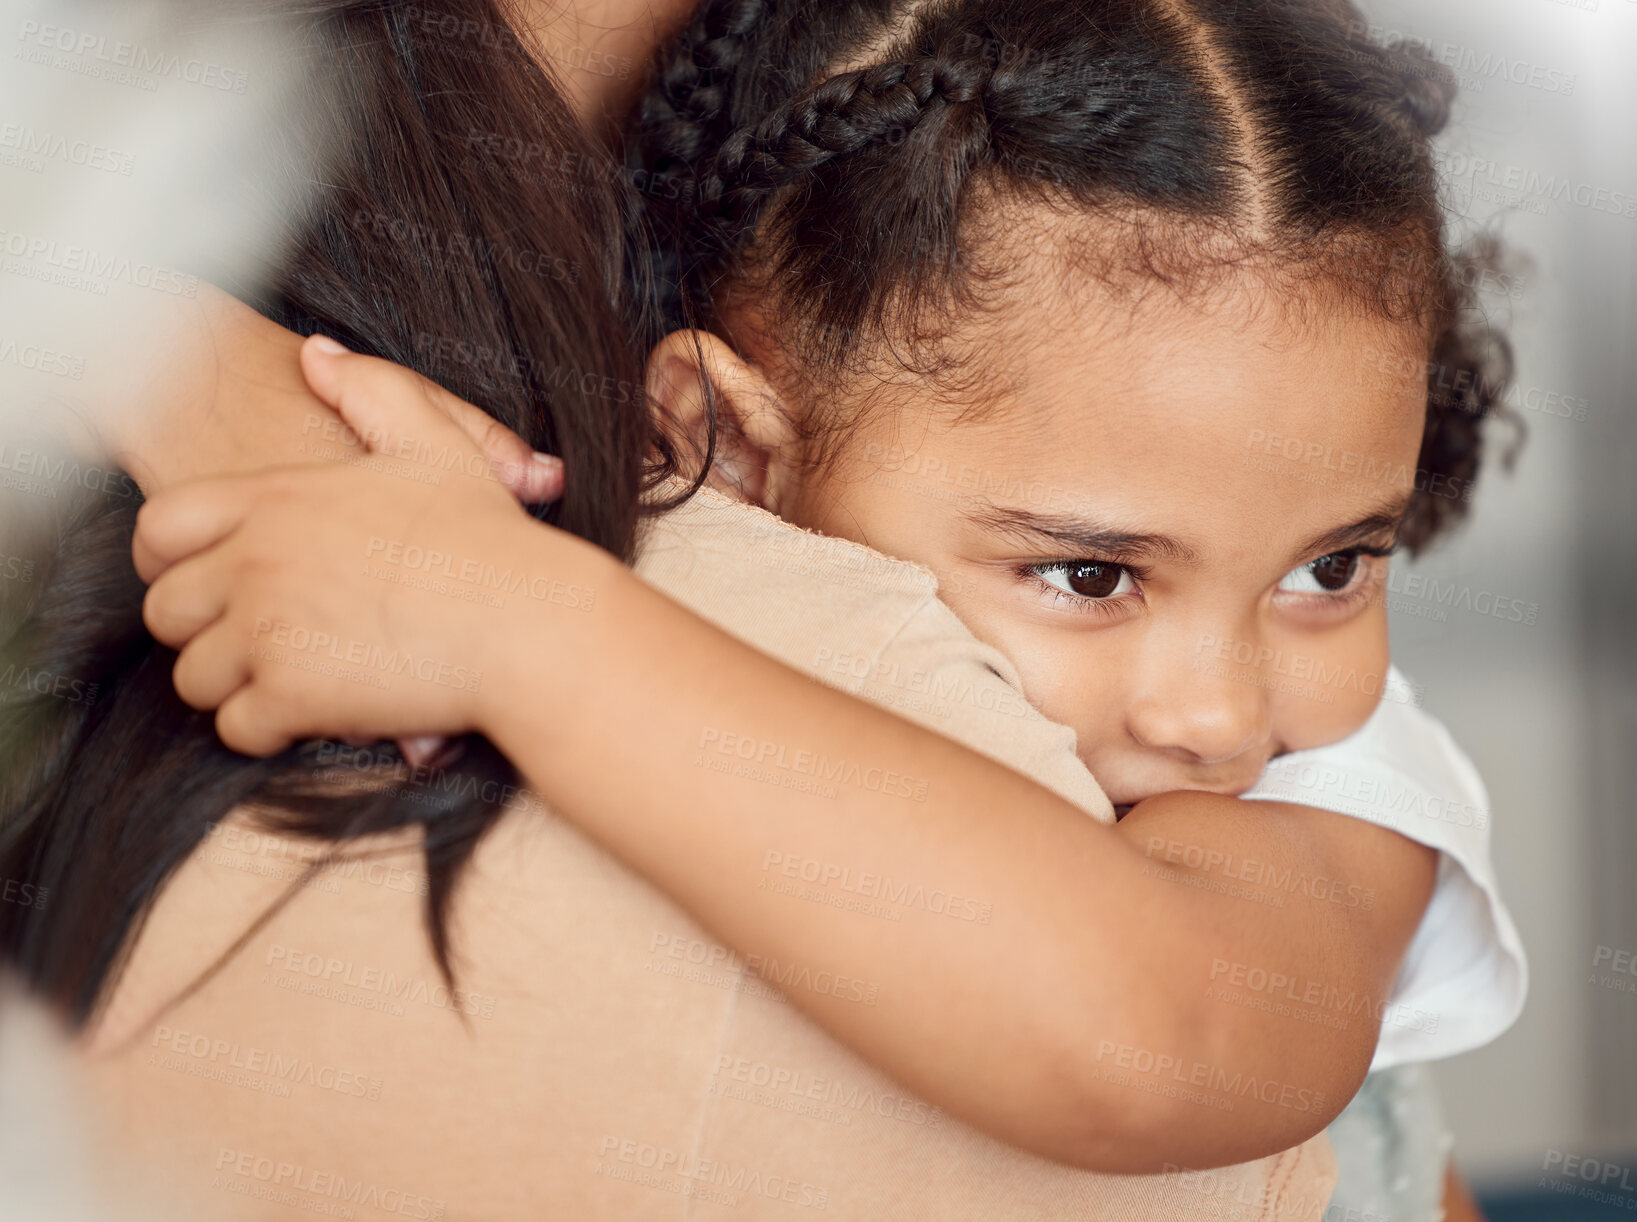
1464,977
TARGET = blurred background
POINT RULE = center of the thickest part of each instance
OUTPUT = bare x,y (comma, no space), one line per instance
1543,154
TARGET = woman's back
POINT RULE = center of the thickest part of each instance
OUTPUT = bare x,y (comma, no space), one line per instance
327,1061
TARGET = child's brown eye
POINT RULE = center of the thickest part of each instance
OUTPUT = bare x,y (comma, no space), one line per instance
1088,578
1334,572
1326,575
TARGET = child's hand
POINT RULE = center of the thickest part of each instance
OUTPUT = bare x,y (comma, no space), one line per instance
350,601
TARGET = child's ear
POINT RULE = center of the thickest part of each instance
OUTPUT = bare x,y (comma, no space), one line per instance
754,455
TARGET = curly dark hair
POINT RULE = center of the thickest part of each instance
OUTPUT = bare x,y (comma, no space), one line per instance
837,158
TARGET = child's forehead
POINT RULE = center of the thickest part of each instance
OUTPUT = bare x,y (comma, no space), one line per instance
1123,269
1037,282
1069,382
1038,334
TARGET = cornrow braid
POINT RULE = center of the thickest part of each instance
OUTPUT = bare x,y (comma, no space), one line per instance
687,99
834,172
945,107
839,116
682,118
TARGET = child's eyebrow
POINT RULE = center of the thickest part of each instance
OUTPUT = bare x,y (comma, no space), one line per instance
1079,536
1383,521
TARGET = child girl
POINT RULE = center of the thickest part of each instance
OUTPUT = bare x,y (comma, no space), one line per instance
919,233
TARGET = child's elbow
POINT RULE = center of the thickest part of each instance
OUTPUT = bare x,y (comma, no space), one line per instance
1143,1111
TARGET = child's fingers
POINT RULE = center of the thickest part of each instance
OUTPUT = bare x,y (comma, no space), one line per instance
537,480
421,750
185,599
388,406
534,478
177,522
248,722
213,666
385,404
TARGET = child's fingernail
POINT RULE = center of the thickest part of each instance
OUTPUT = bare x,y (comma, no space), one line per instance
328,346
419,750
549,461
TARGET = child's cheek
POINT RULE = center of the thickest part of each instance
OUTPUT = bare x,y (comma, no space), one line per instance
1333,683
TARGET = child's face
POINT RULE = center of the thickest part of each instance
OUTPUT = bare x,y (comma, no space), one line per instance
1168,526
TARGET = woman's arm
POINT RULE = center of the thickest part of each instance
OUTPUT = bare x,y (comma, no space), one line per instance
1082,1022
229,398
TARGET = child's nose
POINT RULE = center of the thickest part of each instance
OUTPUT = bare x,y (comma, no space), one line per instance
1207,717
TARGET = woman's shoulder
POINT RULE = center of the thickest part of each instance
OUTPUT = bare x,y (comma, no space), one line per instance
755,574
862,621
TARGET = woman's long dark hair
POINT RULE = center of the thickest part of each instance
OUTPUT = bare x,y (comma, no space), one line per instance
842,168
466,228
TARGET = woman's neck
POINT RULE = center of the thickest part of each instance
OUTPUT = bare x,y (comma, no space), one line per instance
599,49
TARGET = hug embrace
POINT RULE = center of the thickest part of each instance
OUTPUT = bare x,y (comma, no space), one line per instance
797,592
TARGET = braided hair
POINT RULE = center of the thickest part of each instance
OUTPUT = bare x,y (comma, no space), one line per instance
834,159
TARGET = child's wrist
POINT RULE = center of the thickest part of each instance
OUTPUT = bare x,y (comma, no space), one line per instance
542,647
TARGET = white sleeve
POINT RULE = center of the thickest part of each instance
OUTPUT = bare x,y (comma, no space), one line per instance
1464,977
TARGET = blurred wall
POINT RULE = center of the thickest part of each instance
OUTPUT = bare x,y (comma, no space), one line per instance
1543,152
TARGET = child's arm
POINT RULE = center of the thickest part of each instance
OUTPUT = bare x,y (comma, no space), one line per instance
1080,1022
1458,1203
1083,1021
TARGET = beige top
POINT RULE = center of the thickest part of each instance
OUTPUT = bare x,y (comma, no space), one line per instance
602,1057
